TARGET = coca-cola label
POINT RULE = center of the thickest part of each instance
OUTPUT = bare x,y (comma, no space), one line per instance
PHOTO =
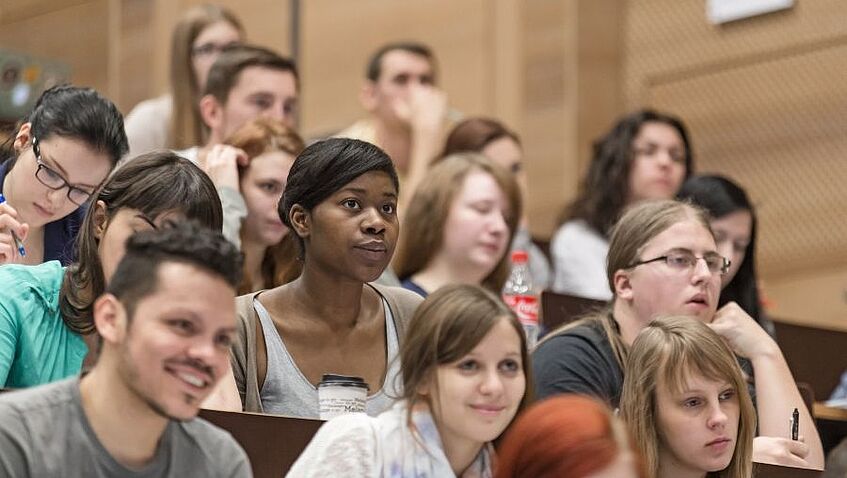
525,307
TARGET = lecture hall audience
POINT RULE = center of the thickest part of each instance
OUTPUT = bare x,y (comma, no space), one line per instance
132,307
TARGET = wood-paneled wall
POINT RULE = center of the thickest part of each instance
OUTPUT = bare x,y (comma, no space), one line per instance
766,102
764,97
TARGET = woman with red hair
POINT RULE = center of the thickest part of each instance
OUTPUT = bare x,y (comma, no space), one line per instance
568,436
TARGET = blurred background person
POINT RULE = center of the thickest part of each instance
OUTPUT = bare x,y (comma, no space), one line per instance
646,155
173,120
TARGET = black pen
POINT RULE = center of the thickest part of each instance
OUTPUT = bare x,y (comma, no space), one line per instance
795,425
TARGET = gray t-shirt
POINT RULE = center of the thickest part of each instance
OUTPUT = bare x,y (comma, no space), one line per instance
44,433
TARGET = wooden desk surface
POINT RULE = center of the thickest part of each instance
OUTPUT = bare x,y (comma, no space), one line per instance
824,412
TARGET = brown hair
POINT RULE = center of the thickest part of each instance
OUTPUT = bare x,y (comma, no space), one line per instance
187,127
635,229
474,134
567,436
374,67
153,183
256,137
423,224
673,349
604,189
226,70
447,326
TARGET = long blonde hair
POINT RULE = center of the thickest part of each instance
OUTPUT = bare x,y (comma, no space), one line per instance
673,349
187,128
423,223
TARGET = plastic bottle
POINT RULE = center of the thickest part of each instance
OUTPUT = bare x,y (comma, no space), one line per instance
520,295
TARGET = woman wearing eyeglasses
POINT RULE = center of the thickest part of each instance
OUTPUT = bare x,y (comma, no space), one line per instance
663,261
65,148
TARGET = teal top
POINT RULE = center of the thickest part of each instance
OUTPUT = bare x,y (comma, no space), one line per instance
35,345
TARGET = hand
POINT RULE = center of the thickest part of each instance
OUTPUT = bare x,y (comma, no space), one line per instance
222,163
9,221
746,337
781,451
424,109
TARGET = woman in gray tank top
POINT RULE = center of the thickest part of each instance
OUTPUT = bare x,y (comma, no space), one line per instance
340,202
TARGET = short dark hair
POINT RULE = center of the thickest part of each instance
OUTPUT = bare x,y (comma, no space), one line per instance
474,134
189,243
224,73
81,114
374,68
325,167
605,187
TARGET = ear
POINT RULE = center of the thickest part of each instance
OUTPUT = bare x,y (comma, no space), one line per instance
367,96
110,319
23,137
211,111
623,284
300,221
101,219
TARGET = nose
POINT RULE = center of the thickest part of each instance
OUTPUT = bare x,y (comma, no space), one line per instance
497,224
717,417
492,383
276,113
701,271
373,222
56,196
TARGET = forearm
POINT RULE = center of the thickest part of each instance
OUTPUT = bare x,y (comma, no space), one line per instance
777,397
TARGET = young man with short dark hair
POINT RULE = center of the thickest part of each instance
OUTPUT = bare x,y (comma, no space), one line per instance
166,323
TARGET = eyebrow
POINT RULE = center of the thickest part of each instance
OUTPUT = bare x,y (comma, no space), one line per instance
364,192
62,170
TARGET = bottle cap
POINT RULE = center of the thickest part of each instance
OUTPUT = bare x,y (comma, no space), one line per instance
519,257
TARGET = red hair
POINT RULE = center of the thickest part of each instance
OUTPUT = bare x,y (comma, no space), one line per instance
569,436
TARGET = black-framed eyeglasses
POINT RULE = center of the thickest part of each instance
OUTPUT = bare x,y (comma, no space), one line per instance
54,180
683,259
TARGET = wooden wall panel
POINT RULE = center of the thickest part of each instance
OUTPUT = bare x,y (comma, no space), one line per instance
77,34
766,103
339,37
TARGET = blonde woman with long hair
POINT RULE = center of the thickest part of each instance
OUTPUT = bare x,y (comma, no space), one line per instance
686,402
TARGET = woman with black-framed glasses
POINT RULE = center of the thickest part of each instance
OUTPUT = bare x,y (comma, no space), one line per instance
655,270
63,150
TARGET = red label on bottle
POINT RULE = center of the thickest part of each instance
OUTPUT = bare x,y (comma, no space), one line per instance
525,307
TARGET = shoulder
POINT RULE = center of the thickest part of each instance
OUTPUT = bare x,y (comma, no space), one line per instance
156,107
586,336
24,284
348,442
42,401
577,231
403,300
203,443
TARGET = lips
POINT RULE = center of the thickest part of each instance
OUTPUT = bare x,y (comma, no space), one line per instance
374,251
192,376
699,299
488,410
43,211
719,444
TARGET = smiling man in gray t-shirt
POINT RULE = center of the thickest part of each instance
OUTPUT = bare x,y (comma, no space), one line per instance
166,322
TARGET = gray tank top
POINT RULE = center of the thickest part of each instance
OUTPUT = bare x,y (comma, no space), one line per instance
287,392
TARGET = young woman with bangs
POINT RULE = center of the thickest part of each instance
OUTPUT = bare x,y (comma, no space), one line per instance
686,403
465,377
46,326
